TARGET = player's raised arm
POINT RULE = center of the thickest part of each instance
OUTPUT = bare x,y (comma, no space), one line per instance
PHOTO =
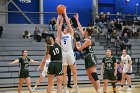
78,23
68,23
59,24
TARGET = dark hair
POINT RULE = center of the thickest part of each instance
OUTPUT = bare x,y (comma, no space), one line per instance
89,30
110,50
47,40
23,51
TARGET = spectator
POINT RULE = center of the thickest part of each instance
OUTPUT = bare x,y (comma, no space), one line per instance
114,34
37,34
125,30
119,42
118,25
111,27
26,34
1,30
138,31
44,33
126,43
52,24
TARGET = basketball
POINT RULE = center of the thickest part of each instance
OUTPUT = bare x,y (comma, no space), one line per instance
60,9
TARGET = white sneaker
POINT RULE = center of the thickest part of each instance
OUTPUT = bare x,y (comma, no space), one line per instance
121,88
76,89
66,90
53,88
126,82
129,89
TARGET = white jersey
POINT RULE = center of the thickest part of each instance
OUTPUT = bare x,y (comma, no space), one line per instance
66,42
126,59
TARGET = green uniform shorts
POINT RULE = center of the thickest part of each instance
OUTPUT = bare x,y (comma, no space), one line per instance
55,68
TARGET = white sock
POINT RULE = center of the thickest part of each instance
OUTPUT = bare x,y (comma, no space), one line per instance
98,90
65,87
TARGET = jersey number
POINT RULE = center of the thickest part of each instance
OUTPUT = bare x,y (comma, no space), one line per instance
56,51
64,41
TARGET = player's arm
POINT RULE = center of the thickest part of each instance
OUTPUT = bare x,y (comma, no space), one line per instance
68,23
130,61
121,66
42,64
85,44
102,68
78,23
59,24
33,61
116,67
15,62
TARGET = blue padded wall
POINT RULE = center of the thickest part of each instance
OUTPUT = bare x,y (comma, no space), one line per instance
16,18
83,7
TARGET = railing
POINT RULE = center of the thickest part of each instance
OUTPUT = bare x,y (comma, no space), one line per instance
25,17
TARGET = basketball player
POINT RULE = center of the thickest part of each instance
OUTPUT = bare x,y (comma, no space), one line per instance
67,53
89,57
44,68
109,70
126,66
24,61
55,53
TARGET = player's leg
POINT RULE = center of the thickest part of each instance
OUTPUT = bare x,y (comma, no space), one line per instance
59,83
94,75
91,78
28,81
73,67
38,81
105,85
128,77
122,81
74,72
113,83
50,83
21,80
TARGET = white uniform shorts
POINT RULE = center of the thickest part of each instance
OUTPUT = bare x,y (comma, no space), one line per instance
68,57
127,70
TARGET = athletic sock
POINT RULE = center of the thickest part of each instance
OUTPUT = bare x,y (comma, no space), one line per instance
98,90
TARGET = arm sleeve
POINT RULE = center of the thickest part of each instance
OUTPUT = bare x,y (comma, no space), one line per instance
29,59
129,58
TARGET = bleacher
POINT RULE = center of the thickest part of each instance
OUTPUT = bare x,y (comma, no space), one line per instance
12,43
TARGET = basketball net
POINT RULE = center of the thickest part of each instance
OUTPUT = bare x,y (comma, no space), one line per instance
25,1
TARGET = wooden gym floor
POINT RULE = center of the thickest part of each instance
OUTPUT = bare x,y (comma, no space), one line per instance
82,88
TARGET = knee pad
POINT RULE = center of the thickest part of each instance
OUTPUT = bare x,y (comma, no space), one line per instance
113,84
95,76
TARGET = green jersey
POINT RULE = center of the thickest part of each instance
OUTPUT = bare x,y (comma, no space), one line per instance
24,63
55,52
109,63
